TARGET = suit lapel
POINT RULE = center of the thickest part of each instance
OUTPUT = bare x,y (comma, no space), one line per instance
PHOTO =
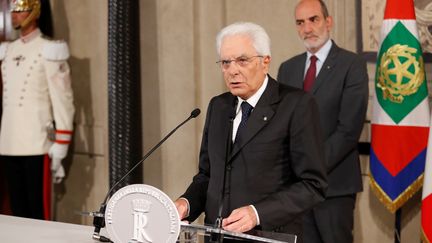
260,116
227,113
327,68
299,72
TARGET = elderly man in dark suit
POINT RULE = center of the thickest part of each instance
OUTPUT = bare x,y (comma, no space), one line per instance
338,80
275,168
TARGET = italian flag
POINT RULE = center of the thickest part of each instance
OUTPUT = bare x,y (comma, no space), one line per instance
400,118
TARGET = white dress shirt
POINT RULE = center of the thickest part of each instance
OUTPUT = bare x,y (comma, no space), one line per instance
321,55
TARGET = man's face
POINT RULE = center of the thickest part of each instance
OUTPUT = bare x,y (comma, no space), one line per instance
246,75
18,18
312,27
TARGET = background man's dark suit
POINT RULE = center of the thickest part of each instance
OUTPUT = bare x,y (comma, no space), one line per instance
341,92
278,167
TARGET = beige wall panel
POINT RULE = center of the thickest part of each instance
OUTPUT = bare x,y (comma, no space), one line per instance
277,18
344,18
349,24
411,216
86,34
209,19
83,190
150,90
176,46
87,38
83,24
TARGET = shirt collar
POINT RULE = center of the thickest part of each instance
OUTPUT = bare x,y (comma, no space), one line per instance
253,100
323,52
35,33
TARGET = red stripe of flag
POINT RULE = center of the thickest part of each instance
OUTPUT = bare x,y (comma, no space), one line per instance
396,147
399,9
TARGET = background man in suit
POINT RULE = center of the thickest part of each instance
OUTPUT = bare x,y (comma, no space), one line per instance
338,80
275,169
37,92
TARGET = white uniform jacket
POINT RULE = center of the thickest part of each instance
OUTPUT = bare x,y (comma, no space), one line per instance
36,91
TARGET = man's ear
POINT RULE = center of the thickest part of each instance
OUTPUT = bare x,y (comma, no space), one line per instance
267,60
329,23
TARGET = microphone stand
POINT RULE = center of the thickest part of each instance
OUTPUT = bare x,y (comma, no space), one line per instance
99,216
217,237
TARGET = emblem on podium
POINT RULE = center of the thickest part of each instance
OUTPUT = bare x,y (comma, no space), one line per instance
143,214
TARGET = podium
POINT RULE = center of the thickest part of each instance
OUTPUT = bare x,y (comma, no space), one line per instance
191,233
142,213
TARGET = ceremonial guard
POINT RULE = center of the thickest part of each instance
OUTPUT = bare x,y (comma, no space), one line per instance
37,98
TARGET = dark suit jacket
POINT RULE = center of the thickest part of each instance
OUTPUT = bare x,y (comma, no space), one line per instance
341,91
278,166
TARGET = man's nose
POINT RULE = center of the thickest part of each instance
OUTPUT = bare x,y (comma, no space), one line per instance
307,27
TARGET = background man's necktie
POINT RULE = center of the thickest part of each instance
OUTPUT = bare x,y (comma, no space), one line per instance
246,111
310,74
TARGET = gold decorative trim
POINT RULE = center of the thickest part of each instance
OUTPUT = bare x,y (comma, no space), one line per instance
392,206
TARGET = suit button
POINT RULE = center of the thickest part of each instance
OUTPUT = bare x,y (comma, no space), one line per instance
229,167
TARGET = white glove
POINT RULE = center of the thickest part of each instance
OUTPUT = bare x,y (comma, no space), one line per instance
58,175
57,153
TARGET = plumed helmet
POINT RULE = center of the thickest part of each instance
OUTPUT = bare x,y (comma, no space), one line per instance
27,5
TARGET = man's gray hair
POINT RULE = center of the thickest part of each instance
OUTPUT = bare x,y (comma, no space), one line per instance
324,9
259,37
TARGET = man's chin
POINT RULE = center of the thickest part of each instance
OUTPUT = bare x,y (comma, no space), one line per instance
236,91
313,46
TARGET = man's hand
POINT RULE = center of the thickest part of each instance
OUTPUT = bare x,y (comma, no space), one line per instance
58,175
240,220
57,153
182,207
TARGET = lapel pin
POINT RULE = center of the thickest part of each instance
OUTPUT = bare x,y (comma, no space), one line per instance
328,67
265,118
